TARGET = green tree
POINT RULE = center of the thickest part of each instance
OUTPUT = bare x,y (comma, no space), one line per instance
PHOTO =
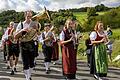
91,12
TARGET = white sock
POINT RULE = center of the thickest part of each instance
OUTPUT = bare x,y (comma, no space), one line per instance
8,63
46,65
34,60
13,67
31,69
27,74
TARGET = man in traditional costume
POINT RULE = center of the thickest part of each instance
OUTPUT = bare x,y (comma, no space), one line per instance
10,50
46,39
14,46
25,32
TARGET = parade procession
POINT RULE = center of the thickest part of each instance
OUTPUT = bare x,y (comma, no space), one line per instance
59,45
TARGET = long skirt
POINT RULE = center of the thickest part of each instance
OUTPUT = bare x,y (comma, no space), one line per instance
99,64
55,54
69,61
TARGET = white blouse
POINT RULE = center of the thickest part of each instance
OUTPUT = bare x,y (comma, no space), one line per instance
93,35
5,36
25,25
40,37
62,36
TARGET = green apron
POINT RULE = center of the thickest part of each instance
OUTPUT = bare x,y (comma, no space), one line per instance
101,59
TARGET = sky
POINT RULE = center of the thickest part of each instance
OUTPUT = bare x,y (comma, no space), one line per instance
37,5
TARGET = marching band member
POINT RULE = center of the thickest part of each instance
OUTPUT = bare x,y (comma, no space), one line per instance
14,47
68,51
10,53
99,64
47,42
25,32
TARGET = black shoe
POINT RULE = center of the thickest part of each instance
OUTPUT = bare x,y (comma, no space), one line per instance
49,69
47,72
88,65
12,72
8,67
15,69
30,79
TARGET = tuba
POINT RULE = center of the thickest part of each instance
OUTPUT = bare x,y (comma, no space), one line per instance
42,15
31,33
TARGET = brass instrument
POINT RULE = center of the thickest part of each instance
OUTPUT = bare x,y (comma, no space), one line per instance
42,15
31,33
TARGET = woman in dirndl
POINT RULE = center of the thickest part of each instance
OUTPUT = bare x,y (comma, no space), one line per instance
68,51
99,64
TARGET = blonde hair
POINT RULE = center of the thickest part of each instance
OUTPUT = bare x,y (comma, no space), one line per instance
96,26
11,22
67,21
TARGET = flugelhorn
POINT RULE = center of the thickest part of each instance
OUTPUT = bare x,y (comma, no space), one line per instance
42,15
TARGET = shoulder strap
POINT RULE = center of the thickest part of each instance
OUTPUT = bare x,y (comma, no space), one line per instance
43,35
9,30
21,25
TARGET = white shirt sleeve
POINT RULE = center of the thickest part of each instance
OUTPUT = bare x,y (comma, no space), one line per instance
18,27
105,33
62,36
2,38
93,35
40,38
5,36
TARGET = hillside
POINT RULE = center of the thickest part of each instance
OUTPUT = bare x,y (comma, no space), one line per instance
82,16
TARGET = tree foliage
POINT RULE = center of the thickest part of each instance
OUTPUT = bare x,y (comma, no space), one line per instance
91,12
57,18
111,18
101,7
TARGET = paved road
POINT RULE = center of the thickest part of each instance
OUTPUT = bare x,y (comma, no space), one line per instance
56,73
